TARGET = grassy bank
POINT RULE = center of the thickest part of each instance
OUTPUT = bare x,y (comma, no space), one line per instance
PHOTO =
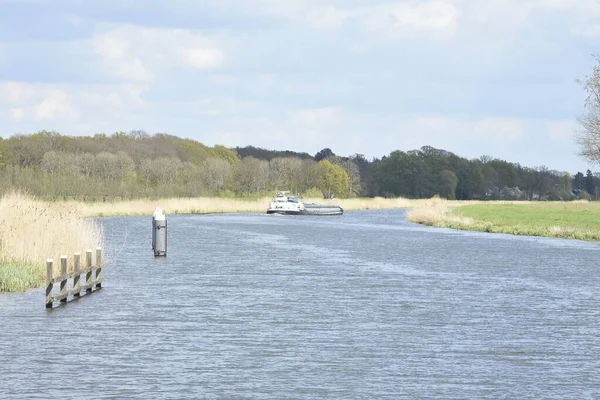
33,231
572,220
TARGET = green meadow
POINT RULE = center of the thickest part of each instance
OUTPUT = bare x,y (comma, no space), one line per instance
574,220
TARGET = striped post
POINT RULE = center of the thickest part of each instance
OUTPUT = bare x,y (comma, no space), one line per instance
88,275
63,282
77,276
99,266
49,284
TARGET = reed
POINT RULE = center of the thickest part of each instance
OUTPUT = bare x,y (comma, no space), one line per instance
199,205
434,212
33,231
209,205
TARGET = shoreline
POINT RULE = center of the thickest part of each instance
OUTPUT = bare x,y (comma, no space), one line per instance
560,220
217,205
21,266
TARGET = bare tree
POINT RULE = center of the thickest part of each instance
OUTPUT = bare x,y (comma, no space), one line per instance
85,163
284,173
125,167
309,175
51,162
58,162
252,175
589,137
106,166
216,173
352,170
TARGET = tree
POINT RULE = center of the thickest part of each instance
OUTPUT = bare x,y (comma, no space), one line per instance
309,175
589,138
324,154
226,154
352,170
589,182
542,183
284,173
578,181
565,188
333,179
448,182
252,175
216,173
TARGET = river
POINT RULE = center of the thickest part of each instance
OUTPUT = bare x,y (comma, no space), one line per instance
360,306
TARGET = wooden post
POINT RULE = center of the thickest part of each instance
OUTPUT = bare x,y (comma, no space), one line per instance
99,266
63,282
77,276
88,274
49,284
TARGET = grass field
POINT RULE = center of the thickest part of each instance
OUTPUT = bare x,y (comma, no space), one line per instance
573,220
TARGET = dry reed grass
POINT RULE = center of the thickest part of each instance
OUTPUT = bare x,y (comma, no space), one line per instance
209,205
33,231
199,205
434,212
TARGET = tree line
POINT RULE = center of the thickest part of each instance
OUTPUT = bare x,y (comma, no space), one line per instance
138,165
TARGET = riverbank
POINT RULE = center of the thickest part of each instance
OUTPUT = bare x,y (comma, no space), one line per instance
216,205
33,231
568,220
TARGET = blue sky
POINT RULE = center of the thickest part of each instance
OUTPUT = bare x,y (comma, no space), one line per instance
475,77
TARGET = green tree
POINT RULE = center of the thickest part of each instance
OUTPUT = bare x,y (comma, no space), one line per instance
333,179
565,188
579,181
448,182
226,154
589,182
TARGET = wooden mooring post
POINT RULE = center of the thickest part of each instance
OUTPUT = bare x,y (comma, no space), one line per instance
65,277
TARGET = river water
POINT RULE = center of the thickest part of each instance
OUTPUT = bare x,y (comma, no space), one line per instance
360,306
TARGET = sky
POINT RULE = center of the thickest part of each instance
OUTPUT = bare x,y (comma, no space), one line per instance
474,77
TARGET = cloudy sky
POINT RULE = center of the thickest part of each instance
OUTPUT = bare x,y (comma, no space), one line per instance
475,77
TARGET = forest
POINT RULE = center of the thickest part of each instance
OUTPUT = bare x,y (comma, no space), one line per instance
135,164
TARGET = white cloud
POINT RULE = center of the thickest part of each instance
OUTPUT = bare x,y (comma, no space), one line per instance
327,17
390,18
56,105
17,114
591,31
31,102
561,130
16,93
214,106
400,18
202,58
512,16
37,101
139,54
316,117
